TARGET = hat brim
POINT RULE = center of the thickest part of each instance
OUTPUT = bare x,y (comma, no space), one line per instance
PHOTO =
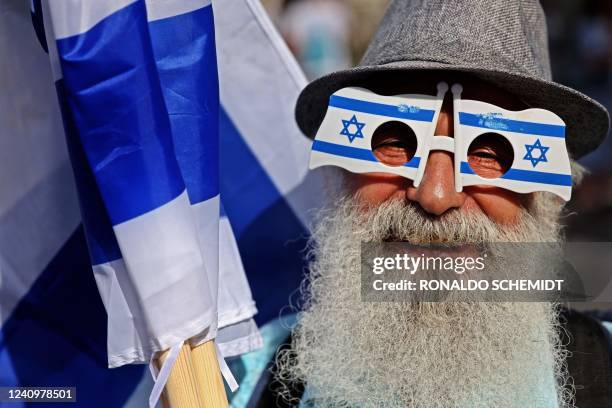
587,121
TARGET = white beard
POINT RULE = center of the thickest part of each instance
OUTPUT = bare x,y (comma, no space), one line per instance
392,354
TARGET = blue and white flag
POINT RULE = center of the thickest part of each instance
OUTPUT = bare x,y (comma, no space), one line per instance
53,324
534,139
345,137
183,38
540,158
158,181
266,189
54,327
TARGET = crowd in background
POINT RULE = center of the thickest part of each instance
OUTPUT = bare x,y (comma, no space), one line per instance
328,35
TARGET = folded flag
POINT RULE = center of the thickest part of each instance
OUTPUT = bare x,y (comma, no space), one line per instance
183,38
140,96
53,326
267,191
46,288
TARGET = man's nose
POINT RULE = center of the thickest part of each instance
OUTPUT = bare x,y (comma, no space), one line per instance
436,192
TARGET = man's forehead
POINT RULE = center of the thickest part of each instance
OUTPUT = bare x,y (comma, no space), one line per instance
426,82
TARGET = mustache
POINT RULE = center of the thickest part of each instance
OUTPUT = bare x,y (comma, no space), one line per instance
401,220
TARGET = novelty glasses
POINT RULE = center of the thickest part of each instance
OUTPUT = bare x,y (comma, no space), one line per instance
522,151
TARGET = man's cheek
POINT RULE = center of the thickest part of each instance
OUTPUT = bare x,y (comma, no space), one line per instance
501,206
376,188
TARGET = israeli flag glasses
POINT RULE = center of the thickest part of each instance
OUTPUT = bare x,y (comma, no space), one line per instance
522,151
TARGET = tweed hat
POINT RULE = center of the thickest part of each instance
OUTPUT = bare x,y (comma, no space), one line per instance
502,42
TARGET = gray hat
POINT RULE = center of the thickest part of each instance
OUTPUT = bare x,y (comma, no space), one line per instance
503,42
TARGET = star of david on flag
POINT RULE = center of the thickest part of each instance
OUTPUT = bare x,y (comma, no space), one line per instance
346,132
541,157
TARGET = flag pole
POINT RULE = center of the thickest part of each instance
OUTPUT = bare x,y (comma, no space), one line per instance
195,379
181,388
208,375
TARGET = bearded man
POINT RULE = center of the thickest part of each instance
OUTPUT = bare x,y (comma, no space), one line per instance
345,352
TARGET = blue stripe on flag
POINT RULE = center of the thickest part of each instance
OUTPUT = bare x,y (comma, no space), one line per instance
56,336
529,176
187,65
101,240
270,237
119,113
393,111
354,152
242,176
517,126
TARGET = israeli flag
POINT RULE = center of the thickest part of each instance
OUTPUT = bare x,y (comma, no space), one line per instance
54,326
268,193
183,37
157,178
537,138
541,161
353,115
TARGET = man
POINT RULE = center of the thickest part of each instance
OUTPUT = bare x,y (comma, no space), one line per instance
346,352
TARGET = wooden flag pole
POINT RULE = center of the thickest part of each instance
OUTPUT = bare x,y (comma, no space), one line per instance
181,387
195,380
208,376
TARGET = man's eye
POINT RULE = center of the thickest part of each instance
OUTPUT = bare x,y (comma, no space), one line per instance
393,153
485,164
485,154
391,144
490,155
394,143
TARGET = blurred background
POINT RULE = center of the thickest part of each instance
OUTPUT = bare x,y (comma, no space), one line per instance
328,35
